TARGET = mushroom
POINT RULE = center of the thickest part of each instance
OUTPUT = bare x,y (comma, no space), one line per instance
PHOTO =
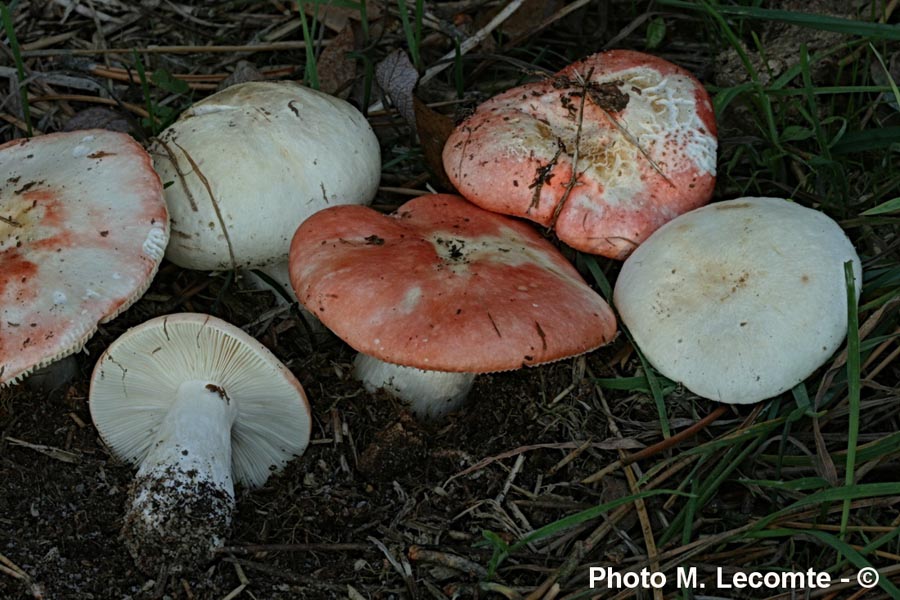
643,132
739,300
441,290
83,228
248,164
199,405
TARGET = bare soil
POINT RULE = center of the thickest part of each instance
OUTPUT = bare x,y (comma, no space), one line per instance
384,477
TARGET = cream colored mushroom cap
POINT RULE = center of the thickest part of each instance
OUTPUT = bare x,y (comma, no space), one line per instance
136,380
739,300
247,165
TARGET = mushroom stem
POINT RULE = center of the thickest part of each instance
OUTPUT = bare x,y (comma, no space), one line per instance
429,394
182,498
278,273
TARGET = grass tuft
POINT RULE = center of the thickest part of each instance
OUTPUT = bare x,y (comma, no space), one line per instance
8,26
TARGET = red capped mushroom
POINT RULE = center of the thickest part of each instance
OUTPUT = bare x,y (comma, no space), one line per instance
83,228
445,288
605,151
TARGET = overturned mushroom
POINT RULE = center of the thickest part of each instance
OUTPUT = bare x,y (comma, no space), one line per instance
199,405
441,290
605,151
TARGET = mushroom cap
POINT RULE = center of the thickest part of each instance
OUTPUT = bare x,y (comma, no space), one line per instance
515,154
739,300
446,286
255,160
83,228
136,379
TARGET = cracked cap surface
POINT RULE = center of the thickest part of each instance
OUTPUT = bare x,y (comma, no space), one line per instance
646,150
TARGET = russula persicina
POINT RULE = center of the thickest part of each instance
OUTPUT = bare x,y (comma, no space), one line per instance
642,130
441,290
83,228
199,405
739,300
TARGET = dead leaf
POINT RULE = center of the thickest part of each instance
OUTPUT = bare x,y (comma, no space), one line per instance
613,488
398,77
614,443
336,18
98,117
434,129
335,68
243,72
531,14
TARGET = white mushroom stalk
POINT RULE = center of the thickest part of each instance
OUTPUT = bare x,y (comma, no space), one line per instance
199,405
186,476
428,394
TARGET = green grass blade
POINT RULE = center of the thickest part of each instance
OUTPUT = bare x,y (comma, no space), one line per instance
811,102
855,558
854,142
410,31
311,71
145,90
729,461
7,18
887,73
880,31
795,485
891,206
853,386
588,515
651,378
851,492
638,383
599,276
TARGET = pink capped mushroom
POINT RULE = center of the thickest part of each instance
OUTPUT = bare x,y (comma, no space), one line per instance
83,228
441,290
605,151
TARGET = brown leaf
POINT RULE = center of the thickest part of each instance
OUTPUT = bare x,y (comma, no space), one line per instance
433,129
335,68
531,14
336,18
621,444
614,488
398,77
98,117
243,72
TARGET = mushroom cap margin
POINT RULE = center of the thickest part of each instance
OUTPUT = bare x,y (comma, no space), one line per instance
135,380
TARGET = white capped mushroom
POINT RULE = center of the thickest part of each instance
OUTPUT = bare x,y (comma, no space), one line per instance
199,405
739,300
248,164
